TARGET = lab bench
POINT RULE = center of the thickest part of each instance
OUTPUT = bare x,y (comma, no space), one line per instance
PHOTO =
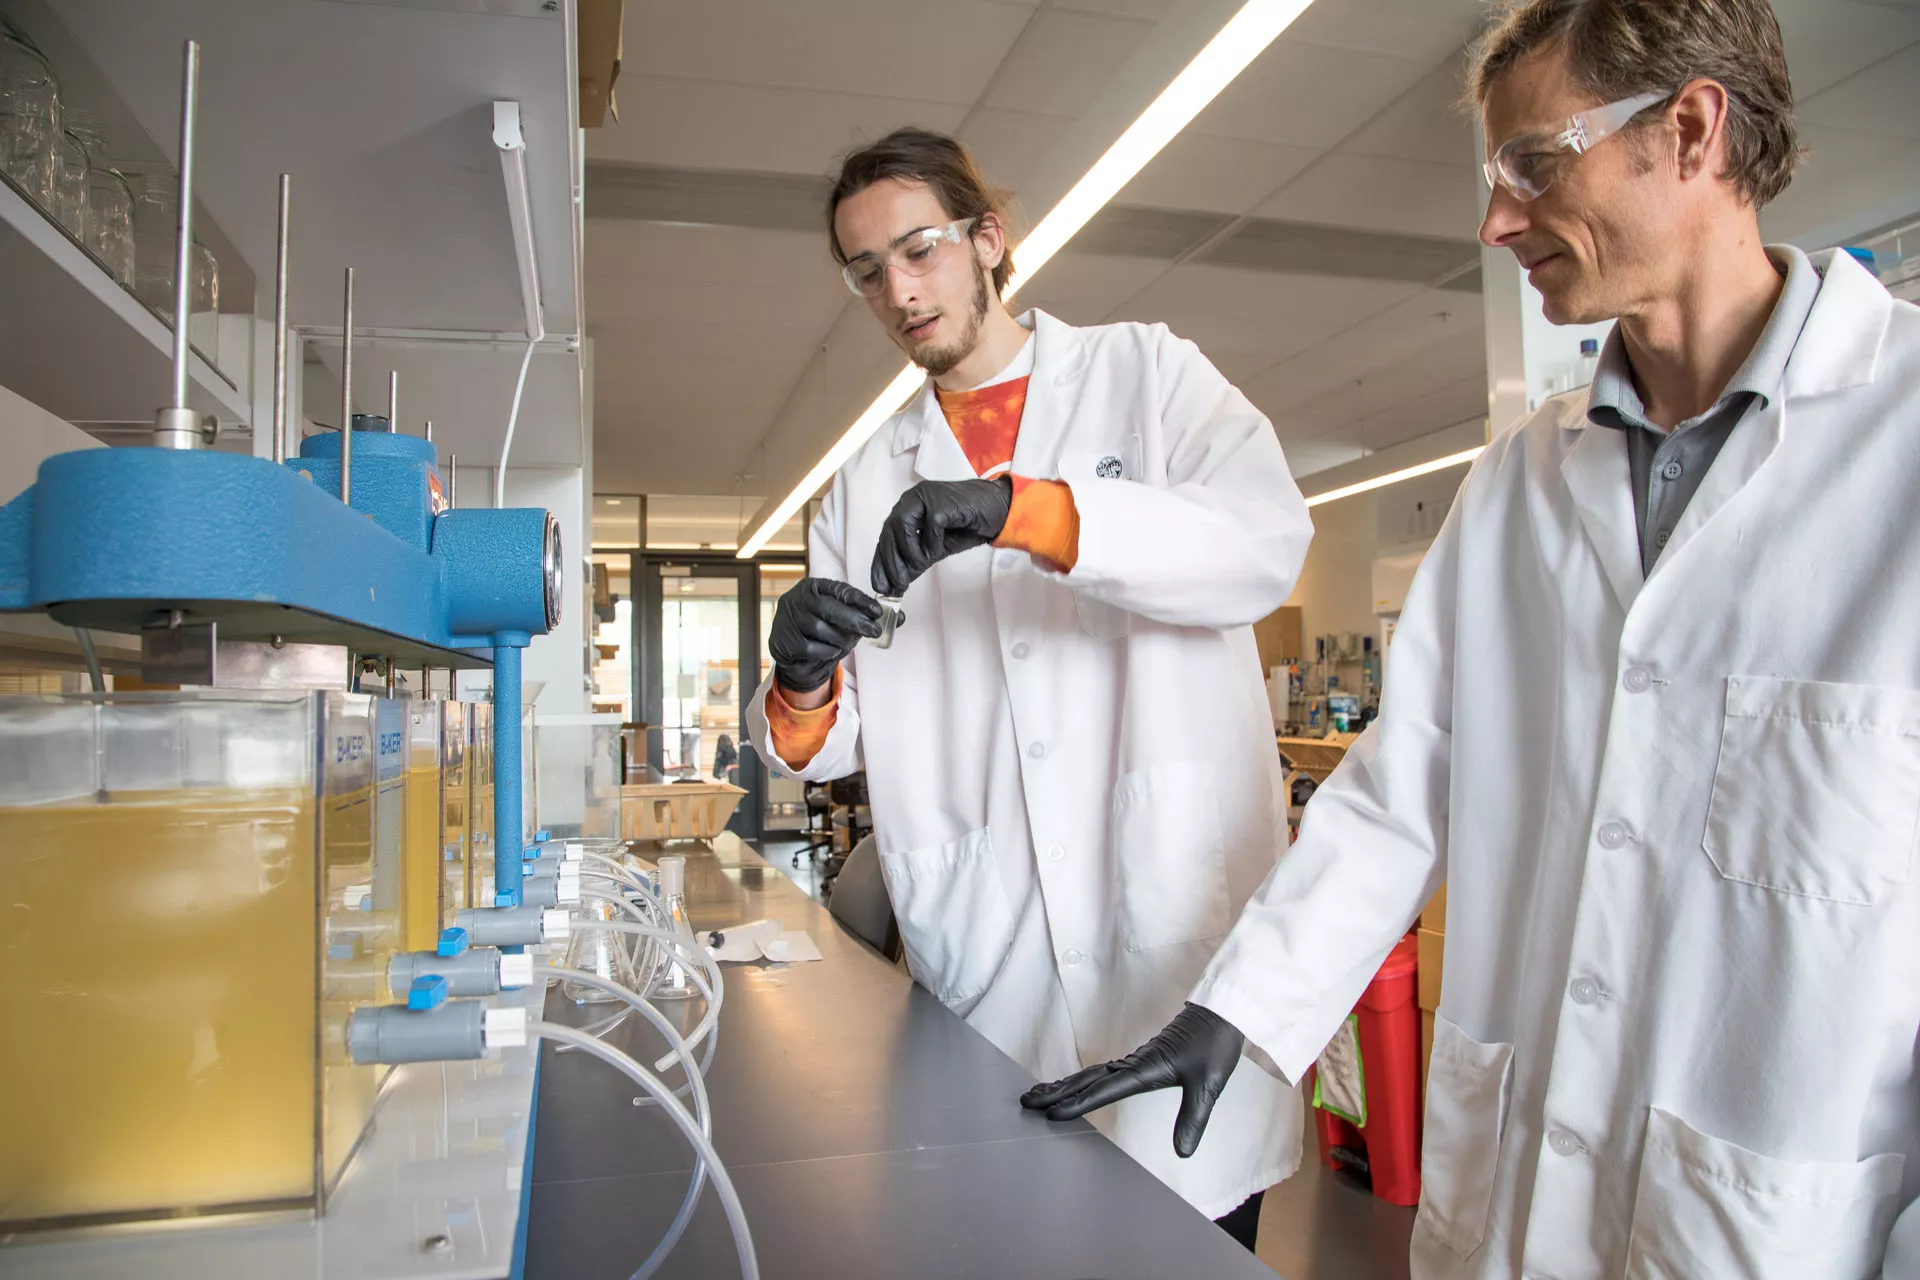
871,1133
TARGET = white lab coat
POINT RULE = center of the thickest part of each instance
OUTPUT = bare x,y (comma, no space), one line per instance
1676,818
1073,777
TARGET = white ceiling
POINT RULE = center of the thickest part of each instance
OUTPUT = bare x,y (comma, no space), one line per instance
727,358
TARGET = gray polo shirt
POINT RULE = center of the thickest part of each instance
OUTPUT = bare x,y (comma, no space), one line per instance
1668,466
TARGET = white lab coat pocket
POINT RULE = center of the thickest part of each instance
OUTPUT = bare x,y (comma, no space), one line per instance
1708,1208
953,915
1173,862
1467,1086
1817,788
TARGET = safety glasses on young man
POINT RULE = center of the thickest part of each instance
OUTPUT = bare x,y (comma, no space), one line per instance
1527,165
915,254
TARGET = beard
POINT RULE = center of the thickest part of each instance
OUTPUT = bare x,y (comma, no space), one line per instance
941,360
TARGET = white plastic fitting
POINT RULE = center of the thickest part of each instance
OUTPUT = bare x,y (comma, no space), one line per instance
504,1028
516,970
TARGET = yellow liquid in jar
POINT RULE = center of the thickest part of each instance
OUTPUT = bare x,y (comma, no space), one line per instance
423,859
159,1010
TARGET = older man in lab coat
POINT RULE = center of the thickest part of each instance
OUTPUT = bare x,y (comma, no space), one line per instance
1068,743
1653,713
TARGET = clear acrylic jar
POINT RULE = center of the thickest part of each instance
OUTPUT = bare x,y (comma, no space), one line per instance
156,231
30,115
70,168
110,222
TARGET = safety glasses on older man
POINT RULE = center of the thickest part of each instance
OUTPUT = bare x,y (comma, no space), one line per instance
1528,164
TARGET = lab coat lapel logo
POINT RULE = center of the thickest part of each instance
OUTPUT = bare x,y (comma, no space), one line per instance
1601,484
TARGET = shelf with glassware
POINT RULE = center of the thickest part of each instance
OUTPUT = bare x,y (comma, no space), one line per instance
87,249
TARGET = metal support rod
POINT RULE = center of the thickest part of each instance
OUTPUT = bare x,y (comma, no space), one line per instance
176,426
393,400
346,398
280,330
507,835
453,481
429,430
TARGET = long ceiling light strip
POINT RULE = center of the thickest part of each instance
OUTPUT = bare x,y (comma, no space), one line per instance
1460,459
1239,42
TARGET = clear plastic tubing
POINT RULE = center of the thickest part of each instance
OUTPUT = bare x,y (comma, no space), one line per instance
714,993
695,1083
616,872
702,1146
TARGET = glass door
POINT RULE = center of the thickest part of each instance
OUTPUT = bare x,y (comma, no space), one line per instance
697,621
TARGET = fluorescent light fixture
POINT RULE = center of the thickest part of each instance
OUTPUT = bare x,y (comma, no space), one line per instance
1460,459
513,167
1236,44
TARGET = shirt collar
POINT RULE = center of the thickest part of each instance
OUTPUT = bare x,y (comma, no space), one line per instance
1613,400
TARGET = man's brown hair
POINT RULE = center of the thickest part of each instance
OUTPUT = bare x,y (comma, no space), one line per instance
920,155
1623,48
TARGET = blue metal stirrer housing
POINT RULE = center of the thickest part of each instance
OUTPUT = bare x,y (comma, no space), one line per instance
112,538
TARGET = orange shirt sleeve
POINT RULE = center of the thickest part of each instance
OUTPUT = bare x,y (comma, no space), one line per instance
799,735
1043,522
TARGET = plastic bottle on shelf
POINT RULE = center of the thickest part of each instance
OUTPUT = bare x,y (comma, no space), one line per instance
1583,369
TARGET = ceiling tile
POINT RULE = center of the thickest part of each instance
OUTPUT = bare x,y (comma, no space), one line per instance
1412,342
1083,288
1884,98
1062,62
1307,95
931,50
1148,10
1425,30
1011,147
1829,40
666,120
1195,291
1218,175
1427,123
1382,194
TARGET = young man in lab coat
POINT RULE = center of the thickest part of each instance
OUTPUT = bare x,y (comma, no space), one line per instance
1068,744
1652,714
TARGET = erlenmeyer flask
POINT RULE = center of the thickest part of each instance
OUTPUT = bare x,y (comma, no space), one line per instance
599,952
675,985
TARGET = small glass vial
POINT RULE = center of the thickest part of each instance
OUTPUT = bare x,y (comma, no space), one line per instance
890,616
675,984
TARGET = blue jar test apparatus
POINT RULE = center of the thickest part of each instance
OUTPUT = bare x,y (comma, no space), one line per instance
343,544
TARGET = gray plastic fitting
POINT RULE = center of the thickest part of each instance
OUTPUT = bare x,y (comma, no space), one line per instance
510,926
395,1033
474,972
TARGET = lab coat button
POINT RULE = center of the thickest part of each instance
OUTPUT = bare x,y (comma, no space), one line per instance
1021,650
1071,958
1612,836
1055,853
1585,991
1637,680
1037,751
1563,1143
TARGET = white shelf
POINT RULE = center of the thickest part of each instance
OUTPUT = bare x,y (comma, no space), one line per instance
76,342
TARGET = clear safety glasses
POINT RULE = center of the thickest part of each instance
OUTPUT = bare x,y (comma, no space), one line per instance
1526,165
915,254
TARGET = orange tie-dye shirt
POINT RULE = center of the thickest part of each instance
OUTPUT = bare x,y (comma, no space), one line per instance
1042,522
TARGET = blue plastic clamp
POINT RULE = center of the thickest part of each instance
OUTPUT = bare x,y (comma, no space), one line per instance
427,993
452,942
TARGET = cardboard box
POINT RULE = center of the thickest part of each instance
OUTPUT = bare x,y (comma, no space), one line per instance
600,28
1435,915
1432,959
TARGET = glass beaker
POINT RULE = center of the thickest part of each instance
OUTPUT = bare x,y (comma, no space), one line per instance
600,952
70,185
30,123
110,221
203,314
156,233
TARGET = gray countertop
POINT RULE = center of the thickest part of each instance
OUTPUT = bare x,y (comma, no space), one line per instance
870,1132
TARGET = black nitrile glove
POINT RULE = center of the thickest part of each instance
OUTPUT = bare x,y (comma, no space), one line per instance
815,625
933,520
1197,1051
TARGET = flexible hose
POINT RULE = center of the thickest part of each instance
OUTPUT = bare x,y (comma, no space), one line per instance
696,1083
702,1145
643,983
714,992
513,416
616,871
92,657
